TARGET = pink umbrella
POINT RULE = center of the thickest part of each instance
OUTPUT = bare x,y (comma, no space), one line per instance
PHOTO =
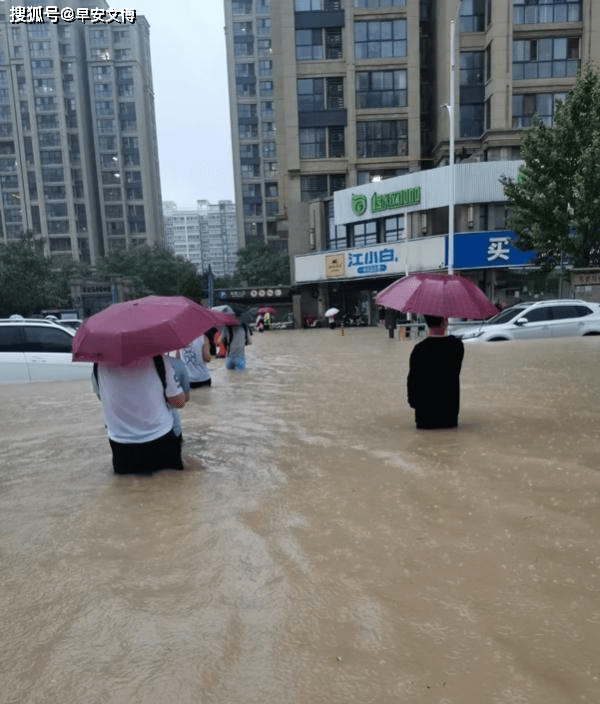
266,309
222,318
125,332
444,295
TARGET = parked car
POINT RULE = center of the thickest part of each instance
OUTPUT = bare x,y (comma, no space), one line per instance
537,319
37,350
72,323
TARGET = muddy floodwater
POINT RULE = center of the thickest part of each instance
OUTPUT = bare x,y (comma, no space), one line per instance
319,549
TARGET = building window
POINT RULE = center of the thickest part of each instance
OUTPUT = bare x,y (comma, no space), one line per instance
264,47
127,116
263,27
247,130
104,107
249,151
44,85
379,39
316,94
394,229
531,108
546,58
321,142
381,89
106,125
245,80
321,186
472,16
266,110
136,218
112,194
42,104
472,93
316,5
243,39
364,233
241,7
269,150
374,4
318,44
271,190
47,122
268,129
336,236
313,143
382,138
52,174
265,68
545,12
265,88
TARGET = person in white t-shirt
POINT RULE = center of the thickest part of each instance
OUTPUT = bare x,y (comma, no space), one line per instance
138,421
195,356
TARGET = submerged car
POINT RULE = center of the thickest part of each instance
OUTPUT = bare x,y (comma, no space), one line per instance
536,319
37,350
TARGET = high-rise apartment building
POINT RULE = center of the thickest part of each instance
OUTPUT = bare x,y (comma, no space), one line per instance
356,93
78,146
206,236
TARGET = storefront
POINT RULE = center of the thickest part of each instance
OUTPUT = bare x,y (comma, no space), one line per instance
390,230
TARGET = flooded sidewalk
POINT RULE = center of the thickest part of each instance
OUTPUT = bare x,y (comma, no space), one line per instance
319,549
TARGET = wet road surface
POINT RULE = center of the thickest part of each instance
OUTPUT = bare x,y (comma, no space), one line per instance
319,549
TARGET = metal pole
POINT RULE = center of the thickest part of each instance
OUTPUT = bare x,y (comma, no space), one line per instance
451,193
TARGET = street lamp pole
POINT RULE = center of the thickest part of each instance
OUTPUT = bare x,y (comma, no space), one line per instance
451,190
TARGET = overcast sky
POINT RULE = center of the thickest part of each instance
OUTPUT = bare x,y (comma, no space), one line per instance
191,97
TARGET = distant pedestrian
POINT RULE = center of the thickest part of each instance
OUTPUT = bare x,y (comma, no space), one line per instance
236,339
433,382
390,316
260,322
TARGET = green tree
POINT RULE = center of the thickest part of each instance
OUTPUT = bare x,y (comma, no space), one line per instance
29,281
155,270
261,265
555,204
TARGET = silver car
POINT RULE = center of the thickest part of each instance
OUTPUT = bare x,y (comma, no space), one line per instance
37,350
538,319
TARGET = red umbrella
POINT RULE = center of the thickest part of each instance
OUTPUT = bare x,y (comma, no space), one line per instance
125,332
444,295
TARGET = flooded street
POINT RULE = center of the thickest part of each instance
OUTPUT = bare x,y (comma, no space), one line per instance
320,549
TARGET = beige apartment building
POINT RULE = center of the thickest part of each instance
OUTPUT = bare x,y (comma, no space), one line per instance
353,96
78,146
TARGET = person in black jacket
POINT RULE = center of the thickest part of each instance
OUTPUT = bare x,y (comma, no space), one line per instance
433,382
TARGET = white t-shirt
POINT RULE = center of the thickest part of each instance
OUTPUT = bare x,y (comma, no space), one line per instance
133,400
194,363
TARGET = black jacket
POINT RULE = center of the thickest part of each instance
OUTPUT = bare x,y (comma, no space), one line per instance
433,383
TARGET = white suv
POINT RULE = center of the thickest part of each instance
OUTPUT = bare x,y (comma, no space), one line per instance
560,318
37,350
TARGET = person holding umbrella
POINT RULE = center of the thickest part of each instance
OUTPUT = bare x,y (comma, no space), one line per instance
134,378
330,314
433,383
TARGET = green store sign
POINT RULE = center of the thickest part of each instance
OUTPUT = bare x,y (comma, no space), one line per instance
387,201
